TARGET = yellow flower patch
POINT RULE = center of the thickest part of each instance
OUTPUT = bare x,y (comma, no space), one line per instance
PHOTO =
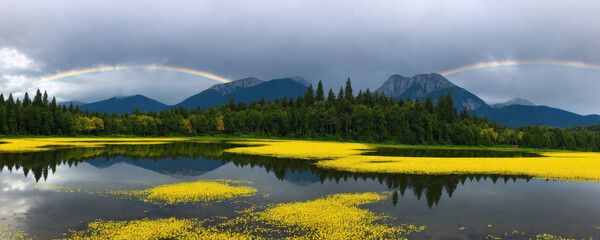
167,228
335,217
300,149
46,144
332,217
568,166
190,192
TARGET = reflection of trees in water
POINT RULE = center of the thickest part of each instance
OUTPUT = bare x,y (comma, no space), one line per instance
432,186
40,163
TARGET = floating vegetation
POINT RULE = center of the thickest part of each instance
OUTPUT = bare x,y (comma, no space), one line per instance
10,233
301,149
567,166
335,217
47,144
332,217
208,191
166,228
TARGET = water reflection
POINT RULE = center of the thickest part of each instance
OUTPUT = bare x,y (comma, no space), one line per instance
442,202
197,158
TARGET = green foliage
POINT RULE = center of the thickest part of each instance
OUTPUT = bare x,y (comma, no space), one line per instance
366,118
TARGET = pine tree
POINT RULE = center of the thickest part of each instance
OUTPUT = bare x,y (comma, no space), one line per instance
309,96
348,91
368,98
53,106
330,98
26,100
231,105
37,99
320,95
45,99
428,104
340,95
464,114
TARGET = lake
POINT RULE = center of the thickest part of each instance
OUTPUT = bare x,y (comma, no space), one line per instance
450,206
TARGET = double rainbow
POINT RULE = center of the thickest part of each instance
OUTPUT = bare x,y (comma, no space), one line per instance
185,71
515,63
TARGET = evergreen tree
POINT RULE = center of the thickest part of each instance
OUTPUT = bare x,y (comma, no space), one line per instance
53,106
320,95
26,100
340,95
37,99
428,104
45,99
348,91
309,96
464,114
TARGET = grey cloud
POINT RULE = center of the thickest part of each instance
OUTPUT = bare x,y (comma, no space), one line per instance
329,41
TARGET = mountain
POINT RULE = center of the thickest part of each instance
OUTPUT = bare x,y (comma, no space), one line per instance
516,112
245,90
227,88
514,101
124,105
519,115
431,85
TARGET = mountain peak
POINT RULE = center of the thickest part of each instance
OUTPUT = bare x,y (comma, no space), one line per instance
227,88
397,85
514,101
431,85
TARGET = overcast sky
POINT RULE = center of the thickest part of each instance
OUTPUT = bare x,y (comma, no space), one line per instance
319,40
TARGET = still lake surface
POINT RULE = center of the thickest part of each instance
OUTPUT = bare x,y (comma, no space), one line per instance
442,203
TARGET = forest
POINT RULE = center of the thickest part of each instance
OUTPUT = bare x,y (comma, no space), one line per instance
364,117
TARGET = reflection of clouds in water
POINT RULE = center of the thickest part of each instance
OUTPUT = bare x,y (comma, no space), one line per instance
13,184
42,211
18,194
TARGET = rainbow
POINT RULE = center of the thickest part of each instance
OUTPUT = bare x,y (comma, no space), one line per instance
186,71
514,63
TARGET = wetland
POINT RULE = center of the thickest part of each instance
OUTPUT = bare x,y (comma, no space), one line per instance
231,188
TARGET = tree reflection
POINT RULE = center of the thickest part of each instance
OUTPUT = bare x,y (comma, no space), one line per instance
432,186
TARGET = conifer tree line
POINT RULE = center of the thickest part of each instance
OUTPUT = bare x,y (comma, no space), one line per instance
364,117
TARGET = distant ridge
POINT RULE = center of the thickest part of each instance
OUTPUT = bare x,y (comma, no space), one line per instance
514,101
520,115
245,90
125,105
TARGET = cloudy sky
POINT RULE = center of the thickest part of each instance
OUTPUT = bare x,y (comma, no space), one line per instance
320,40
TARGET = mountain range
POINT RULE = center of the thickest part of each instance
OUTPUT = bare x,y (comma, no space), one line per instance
515,112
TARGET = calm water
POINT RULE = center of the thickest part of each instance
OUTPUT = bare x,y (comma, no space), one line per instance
442,203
